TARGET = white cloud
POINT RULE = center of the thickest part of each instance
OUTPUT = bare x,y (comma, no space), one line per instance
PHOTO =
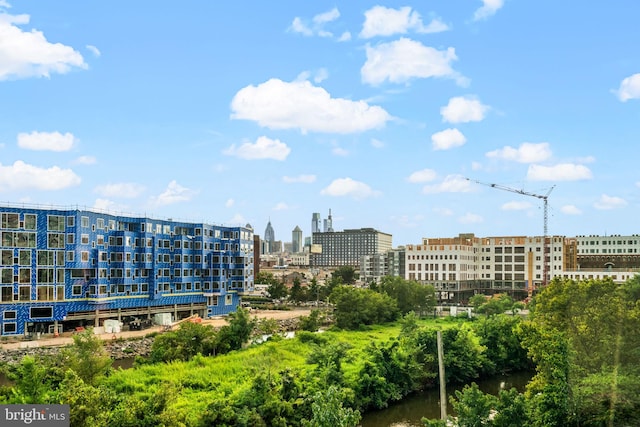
424,175
289,105
629,88
263,148
476,166
28,53
174,193
109,206
404,59
462,109
21,175
570,210
305,179
46,141
349,187
229,203
516,206
559,172
447,139
316,28
383,21
238,219
407,221
470,218
488,8
345,37
297,26
323,18
450,184
443,211
339,151
527,152
607,202
127,190
376,143
321,75
85,160
96,52
5,4
281,206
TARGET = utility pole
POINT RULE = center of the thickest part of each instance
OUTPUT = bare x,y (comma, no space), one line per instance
545,237
443,385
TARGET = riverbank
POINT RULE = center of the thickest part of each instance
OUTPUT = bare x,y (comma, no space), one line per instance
129,344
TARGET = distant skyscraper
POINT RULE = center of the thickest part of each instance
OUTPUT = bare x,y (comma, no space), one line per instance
296,240
269,238
315,223
329,223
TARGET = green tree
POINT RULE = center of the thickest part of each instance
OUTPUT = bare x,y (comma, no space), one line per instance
354,308
297,293
328,359
277,290
311,322
87,357
88,405
32,382
237,332
548,392
184,343
409,295
496,304
472,406
328,410
346,273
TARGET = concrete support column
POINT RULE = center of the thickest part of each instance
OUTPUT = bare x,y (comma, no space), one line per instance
96,322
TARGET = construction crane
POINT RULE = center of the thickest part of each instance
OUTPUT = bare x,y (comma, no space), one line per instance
545,243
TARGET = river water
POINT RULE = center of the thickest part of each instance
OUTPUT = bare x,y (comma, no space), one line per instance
410,410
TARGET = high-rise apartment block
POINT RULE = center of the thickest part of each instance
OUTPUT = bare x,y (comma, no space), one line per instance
64,268
346,248
297,243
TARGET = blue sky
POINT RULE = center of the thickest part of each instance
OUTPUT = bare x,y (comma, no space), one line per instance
385,113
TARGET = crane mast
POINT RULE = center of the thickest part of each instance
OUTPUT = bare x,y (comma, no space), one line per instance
545,238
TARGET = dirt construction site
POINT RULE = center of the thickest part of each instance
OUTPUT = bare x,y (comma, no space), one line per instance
67,339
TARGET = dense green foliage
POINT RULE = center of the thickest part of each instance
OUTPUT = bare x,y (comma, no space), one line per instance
355,308
409,295
584,339
313,380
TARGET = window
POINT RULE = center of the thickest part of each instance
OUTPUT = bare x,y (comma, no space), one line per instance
6,295
84,239
41,312
10,314
29,221
24,275
76,290
24,293
24,257
84,256
10,220
84,222
55,241
228,299
70,256
71,221
6,275
9,328
100,223
44,293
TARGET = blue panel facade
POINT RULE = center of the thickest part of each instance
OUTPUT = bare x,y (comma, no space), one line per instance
58,265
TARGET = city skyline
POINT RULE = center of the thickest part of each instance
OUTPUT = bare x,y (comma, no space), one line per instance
385,113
